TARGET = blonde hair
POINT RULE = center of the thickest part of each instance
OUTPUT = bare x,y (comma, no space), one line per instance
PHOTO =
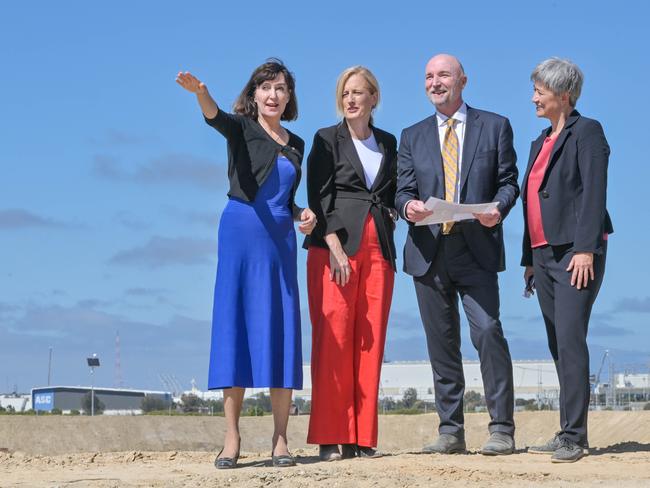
371,81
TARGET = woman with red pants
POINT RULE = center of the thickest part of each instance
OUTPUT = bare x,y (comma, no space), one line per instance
351,181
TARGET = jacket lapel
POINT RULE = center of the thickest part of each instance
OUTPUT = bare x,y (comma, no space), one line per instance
561,139
349,151
384,161
432,143
535,148
472,135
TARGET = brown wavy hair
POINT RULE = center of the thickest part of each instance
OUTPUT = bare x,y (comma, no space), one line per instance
245,103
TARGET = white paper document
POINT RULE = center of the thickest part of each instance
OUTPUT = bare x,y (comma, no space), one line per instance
444,211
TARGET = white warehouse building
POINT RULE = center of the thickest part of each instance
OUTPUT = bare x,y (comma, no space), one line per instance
532,380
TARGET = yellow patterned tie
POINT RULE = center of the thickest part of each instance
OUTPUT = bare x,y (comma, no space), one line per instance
450,164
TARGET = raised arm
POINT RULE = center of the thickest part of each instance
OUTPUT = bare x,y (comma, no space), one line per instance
192,84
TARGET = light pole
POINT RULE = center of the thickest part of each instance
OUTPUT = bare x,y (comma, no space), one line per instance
93,362
49,368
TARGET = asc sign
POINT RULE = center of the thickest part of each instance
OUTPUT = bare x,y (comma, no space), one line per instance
43,401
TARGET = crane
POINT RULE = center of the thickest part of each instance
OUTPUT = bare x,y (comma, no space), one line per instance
595,386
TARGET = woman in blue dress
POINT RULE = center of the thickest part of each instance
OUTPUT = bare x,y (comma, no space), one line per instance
256,318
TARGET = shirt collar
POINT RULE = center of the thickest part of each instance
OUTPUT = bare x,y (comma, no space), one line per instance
460,116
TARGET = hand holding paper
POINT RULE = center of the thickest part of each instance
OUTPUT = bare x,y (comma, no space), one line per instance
444,211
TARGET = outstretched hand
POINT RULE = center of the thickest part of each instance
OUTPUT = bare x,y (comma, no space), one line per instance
190,82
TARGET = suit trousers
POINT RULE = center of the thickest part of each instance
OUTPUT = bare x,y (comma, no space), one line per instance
453,273
566,312
348,336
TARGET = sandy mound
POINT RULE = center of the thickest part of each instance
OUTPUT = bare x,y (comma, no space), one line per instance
178,451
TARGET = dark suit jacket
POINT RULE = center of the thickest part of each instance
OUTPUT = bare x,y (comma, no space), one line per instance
488,174
573,193
252,154
337,191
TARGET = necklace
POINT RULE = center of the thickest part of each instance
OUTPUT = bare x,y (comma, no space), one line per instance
274,135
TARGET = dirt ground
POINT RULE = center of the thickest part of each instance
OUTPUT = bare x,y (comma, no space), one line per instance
179,451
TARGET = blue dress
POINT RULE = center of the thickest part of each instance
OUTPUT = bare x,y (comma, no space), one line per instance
256,317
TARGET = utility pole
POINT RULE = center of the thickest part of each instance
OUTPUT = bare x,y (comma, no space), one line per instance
49,368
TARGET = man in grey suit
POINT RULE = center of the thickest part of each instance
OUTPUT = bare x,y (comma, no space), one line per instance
463,155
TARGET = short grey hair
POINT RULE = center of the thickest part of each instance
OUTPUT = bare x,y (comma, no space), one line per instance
560,76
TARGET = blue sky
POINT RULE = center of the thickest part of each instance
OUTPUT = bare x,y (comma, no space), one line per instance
112,185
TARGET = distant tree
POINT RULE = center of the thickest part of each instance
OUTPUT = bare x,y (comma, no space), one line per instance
56,411
152,404
254,411
259,400
409,398
74,411
471,400
191,403
387,404
11,409
215,406
303,405
86,404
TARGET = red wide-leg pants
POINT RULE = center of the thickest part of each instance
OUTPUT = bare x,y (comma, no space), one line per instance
348,336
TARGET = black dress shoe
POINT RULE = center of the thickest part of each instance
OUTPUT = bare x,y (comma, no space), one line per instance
226,462
349,451
329,452
368,452
283,461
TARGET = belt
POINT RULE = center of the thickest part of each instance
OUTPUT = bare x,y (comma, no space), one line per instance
377,209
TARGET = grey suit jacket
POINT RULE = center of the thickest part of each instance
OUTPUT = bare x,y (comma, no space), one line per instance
488,174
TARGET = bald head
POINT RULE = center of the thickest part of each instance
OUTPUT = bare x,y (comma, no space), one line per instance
444,82
451,61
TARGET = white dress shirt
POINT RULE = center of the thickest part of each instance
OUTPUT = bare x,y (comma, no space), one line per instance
461,117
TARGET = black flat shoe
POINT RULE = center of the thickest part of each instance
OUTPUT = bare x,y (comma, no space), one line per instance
368,452
226,462
329,452
349,451
283,461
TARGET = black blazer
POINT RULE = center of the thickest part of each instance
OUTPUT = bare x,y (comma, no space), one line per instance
488,174
573,193
252,154
337,191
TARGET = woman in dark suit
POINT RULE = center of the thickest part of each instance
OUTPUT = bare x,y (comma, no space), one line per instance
565,239
351,182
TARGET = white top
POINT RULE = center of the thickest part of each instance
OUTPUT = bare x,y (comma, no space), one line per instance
461,117
370,157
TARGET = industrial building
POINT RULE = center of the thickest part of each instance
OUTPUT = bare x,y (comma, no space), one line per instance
532,380
16,402
115,400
